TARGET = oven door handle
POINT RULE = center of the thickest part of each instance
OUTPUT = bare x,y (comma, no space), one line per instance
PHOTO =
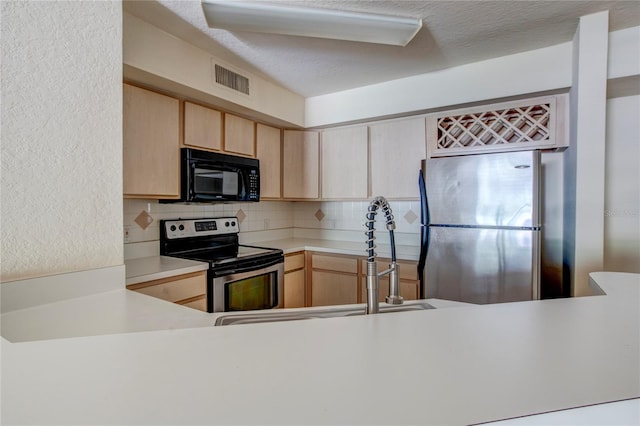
254,267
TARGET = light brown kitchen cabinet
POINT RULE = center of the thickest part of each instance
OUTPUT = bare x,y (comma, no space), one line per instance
239,135
396,148
300,167
344,162
409,284
334,279
268,151
188,289
151,144
294,280
202,127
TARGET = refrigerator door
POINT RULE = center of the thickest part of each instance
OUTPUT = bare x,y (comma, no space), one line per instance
484,190
482,265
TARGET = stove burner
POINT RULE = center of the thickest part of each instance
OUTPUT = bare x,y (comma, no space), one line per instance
212,240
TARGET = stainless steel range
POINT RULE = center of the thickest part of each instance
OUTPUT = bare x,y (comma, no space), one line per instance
240,277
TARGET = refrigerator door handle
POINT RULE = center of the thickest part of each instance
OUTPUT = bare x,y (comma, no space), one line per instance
425,232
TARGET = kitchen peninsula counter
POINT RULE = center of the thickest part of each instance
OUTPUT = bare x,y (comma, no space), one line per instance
461,365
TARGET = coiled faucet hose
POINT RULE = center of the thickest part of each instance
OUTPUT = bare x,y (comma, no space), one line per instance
376,203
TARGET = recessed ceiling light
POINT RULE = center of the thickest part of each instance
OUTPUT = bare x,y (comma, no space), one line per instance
309,22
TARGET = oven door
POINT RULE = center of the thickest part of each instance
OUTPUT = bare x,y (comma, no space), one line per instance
247,288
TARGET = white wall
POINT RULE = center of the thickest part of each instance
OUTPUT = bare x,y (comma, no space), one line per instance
624,60
61,190
513,75
584,167
185,67
622,185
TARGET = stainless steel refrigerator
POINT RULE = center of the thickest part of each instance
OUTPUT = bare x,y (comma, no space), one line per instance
481,228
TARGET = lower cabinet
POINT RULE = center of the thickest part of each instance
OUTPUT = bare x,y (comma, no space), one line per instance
334,279
294,280
324,279
187,290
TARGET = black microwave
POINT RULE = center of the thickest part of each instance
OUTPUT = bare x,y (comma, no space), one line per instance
210,176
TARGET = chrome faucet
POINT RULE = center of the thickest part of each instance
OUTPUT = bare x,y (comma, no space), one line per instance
373,277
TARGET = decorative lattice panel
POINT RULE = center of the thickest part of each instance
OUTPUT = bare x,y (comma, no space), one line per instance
509,126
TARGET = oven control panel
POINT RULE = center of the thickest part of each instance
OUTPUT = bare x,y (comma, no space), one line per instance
185,228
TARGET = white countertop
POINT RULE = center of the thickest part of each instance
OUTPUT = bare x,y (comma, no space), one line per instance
158,267
460,365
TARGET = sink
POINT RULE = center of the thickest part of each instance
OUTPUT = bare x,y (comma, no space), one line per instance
328,312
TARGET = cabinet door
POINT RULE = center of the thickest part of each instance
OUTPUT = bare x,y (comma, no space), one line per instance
268,152
334,279
294,280
239,135
333,288
396,150
202,127
151,144
294,289
300,166
344,163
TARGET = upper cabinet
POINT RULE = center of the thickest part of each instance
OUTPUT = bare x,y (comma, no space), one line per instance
268,151
300,168
202,127
396,149
239,135
344,163
151,144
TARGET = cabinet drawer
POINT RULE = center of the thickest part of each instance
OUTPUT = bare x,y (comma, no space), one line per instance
293,261
174,289
335,263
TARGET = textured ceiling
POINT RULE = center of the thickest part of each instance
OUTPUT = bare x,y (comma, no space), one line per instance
453,33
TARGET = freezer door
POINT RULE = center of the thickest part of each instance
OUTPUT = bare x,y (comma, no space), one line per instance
484,190
482,265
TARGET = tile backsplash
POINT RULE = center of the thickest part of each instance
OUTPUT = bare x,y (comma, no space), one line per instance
142,217
350,215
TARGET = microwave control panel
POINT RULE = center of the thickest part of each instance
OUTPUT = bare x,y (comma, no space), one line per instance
185,228
254,185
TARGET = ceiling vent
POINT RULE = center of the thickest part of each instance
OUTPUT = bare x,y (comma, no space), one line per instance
231,79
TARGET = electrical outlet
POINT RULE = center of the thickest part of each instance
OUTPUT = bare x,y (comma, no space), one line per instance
126,234
266,224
